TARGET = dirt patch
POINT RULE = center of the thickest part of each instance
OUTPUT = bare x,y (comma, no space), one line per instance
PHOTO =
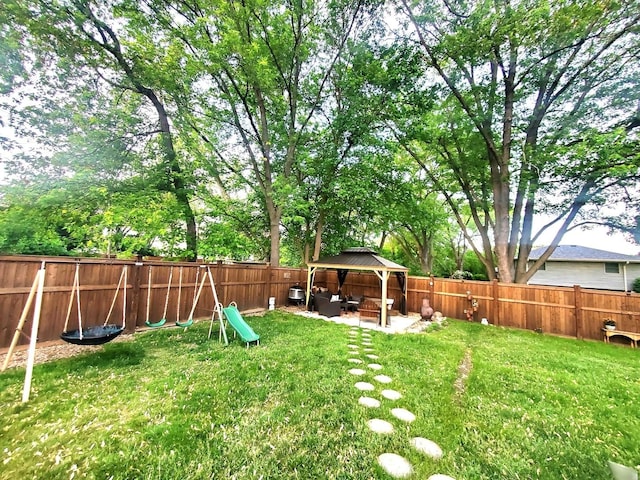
464,369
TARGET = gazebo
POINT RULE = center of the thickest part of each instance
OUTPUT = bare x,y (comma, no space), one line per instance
363,259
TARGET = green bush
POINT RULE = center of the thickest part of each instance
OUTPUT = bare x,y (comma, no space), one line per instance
635,286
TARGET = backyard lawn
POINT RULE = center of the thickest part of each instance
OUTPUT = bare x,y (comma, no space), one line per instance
170,404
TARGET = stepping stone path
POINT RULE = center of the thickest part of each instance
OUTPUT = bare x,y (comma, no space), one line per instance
391,394
403,414
429,448
369,402
395,465
364,386
382,378
380,426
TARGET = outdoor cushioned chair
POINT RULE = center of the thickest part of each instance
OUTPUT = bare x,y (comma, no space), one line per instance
328,308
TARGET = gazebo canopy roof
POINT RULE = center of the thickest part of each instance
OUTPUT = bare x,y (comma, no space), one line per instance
358,258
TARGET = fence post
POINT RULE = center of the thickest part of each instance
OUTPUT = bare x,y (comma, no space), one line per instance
269,272
432,291
495,302
578,311
135,296
220,287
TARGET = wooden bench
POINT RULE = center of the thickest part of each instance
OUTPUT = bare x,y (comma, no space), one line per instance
633,336
369,311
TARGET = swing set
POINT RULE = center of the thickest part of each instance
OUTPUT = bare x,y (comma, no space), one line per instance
106,332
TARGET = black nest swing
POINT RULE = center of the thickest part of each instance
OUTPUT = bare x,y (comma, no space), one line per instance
97,334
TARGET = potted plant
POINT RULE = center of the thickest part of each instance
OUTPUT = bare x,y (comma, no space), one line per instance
609,324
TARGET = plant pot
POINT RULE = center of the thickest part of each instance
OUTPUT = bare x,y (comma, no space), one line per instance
610,327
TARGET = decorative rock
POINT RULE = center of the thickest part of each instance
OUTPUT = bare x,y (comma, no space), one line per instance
369,350
395,465
366,334
380,426
354,360
357,371
372,356
375,366
368,344
403,414
427,447
382,378
364,386
369,402
391,394
351,345
439,476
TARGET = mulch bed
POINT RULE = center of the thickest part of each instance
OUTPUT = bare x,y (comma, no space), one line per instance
50,351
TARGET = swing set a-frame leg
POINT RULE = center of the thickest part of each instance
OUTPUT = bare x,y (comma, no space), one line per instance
21,322
217,308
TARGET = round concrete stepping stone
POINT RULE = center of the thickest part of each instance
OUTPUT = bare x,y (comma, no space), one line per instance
382,378
365,386
429,448
369,350
380,426
366,334
403,414
391,394
375,366
357,371
372,356
368,344
351,345
369,402
354,360
439,476
395,465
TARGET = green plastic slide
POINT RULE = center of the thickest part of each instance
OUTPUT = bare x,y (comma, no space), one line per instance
239,325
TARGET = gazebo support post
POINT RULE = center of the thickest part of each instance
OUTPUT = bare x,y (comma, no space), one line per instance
383,275
310,274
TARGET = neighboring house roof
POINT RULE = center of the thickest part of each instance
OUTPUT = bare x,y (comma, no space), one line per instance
577,253
358,258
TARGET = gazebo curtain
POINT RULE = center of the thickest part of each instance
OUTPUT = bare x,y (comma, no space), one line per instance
402,281
342,276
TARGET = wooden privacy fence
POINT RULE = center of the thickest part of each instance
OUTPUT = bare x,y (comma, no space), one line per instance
148,291
573,312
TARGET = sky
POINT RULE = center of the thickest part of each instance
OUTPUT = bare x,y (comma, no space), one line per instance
595,238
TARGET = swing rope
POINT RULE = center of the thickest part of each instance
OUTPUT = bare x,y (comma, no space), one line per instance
147,322
179,296
75,289
123,276
94,335
196,294
166,300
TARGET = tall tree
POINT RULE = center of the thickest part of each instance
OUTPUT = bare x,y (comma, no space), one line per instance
265,66
524,88
111,44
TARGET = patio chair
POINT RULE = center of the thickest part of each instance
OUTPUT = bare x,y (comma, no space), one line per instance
370,310
328,308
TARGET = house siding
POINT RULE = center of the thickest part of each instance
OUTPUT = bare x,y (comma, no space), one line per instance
585,274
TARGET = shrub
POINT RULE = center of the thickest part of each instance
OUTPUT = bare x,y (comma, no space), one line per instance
635,286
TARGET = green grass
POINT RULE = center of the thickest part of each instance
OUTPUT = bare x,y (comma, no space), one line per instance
171,404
